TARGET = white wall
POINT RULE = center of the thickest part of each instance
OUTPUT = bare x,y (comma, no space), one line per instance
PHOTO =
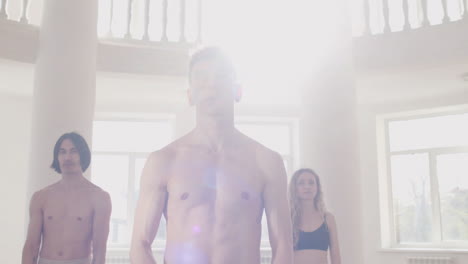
396,91
15,112
15,115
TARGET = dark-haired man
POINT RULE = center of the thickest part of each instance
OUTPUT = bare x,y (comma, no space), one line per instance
69,220
213,184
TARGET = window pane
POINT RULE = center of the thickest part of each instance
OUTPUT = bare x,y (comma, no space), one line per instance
110,172
130,136
274,136
452,172
411,197
434,132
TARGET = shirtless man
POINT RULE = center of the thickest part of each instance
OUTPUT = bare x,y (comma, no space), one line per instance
69,220
213,184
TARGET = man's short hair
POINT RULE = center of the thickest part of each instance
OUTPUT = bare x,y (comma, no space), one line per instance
208,53
80,145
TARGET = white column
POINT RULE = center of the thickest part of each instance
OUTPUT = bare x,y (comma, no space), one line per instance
329,142
64,84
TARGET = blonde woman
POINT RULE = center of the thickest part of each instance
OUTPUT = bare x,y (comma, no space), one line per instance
314,229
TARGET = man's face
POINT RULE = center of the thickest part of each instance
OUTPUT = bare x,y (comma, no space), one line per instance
212,86
306,186
69,157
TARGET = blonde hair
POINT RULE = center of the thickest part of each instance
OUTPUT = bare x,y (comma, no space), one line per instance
294,201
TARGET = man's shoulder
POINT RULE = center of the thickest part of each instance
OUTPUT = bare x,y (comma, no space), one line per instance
96,190
97,194
248,142
268,161
262,152
169,151
46,190
164,154
159,163
40,196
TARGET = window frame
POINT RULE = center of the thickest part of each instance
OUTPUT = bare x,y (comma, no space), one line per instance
387,213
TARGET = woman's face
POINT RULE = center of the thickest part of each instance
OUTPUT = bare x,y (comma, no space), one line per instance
306,186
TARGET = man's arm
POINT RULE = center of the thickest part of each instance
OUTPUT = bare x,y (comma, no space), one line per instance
277,209
102,213
33,239
153,195
335,256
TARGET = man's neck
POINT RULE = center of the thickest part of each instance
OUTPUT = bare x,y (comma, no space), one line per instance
72,179
215,133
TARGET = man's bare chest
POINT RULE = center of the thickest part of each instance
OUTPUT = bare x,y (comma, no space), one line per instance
223,181
67,209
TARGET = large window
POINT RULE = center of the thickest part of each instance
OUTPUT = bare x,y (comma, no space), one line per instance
426,160
120,149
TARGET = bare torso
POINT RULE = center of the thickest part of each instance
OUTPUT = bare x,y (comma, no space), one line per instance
67,217
214,204
310,256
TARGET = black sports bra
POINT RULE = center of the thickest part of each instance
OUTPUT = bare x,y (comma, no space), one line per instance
318,239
